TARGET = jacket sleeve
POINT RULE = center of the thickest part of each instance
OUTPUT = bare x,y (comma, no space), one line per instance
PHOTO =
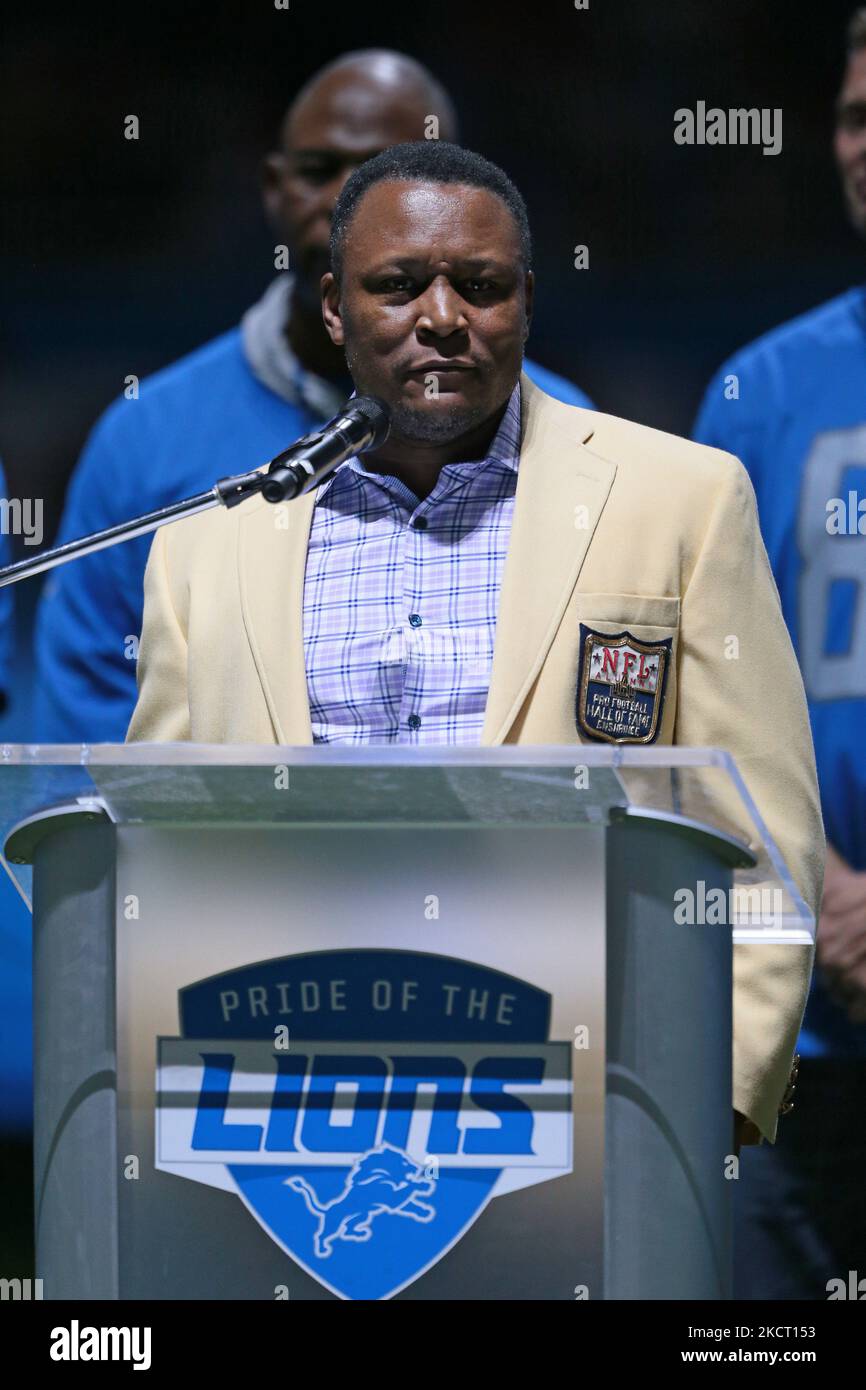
740,690
162,712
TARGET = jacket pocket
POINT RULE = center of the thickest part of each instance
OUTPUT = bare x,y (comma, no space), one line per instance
649,619
628,610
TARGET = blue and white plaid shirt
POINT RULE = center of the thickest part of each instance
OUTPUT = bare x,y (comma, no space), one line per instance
401,596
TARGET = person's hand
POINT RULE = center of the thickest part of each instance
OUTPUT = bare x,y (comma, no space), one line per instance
841,941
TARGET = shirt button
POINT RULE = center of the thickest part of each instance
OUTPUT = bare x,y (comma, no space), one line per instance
414,721
420,523
414,619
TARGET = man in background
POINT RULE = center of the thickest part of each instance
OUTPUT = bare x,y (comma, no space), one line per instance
792,406
231,404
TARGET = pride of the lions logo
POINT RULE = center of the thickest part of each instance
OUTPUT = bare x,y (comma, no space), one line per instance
383,1181
414,1086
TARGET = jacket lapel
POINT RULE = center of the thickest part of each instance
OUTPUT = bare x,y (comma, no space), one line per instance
561,492
272,554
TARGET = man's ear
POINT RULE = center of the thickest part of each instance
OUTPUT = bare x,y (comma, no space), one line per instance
529,300
273,169
331,314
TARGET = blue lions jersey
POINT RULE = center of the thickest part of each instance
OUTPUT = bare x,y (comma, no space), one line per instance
792,406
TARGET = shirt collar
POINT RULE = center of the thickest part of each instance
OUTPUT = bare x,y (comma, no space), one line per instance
504,449
271,359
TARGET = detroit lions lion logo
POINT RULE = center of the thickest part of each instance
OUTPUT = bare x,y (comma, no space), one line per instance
383,1181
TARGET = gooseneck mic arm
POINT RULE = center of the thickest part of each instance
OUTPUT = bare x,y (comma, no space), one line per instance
362,424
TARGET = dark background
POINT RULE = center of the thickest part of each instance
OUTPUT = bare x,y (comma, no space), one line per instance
118,256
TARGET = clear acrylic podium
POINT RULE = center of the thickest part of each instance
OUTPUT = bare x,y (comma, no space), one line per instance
385,1022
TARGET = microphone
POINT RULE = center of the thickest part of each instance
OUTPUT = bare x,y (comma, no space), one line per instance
362,424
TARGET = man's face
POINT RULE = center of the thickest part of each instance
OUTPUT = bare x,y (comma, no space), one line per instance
849,144
342,123
433,305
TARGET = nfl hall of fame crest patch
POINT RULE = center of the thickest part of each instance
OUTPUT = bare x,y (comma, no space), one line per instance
621,686
416,1090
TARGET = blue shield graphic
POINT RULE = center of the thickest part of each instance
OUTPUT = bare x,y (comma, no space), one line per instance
410,1091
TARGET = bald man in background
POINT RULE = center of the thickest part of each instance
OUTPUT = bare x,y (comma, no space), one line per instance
231,404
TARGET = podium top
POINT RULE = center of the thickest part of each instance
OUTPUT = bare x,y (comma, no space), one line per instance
696,790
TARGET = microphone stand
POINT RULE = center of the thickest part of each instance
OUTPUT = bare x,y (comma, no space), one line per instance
363,424
226,492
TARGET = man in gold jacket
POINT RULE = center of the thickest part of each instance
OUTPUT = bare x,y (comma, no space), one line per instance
261,622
